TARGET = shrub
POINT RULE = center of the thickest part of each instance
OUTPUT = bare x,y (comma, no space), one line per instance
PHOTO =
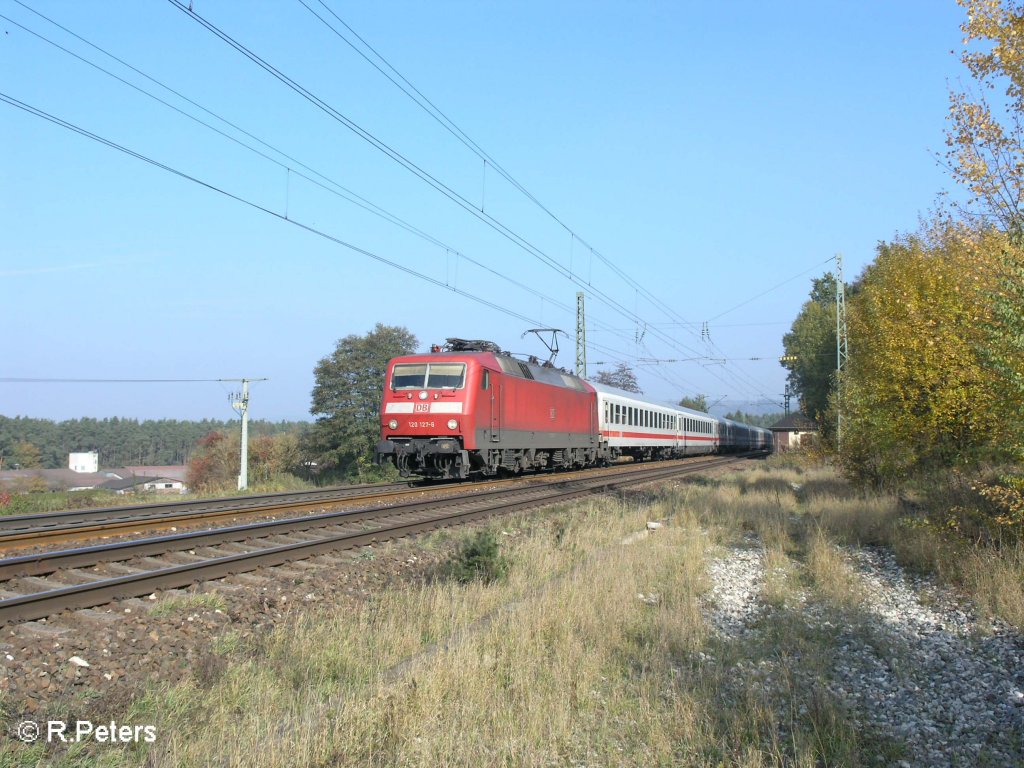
478,558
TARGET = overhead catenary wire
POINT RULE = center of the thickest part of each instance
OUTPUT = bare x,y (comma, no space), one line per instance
340,190
38,380
346,193
438,115
256,206
412,167
508,233
394,76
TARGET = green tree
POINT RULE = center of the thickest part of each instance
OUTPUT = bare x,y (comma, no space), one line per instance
621,378
918,394
25,455
347,393
697,403
810,348
1004,353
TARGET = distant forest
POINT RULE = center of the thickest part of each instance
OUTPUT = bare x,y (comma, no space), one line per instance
120,442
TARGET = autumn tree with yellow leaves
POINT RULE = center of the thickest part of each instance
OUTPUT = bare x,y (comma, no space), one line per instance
919,392
985,143
985,137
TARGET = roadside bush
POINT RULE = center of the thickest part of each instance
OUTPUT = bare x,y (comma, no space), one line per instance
986,508
479,558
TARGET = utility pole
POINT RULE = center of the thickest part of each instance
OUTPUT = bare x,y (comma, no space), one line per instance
240,402
581,337
842,350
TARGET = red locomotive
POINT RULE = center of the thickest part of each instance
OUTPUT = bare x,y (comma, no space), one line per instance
471,409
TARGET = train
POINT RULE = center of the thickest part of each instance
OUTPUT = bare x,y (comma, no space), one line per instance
467,409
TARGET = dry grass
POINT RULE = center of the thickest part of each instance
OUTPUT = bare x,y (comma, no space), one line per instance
564,663
588,654
594,651
829,572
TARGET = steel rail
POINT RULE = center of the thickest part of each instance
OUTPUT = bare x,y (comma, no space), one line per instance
42,563
37,605
78,525
172,516
143,511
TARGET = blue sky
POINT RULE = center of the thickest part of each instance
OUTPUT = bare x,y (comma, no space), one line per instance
707,151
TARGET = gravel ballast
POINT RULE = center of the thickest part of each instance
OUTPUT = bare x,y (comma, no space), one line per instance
914,663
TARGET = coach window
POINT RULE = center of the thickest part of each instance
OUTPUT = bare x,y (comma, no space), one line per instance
485,380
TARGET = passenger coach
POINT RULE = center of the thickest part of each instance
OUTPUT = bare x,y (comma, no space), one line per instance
632,426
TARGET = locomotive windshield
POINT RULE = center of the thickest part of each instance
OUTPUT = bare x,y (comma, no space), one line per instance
432,376
446,375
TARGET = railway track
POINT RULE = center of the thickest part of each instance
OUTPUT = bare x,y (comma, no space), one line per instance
76,525
45,583
23,531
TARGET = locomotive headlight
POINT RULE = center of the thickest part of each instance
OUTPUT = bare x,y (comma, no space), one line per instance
423,395
453,424
393,424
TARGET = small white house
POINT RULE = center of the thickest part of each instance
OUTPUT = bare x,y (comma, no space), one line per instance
84,462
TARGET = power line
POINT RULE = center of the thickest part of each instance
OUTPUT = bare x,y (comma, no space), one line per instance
437,114
367,136
113,145
498,226
340,191
774,287
347,195
15,380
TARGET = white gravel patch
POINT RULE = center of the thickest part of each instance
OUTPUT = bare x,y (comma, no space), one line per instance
945,683
736,582
928,673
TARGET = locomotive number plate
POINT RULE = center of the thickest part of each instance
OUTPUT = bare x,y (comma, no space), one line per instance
421,424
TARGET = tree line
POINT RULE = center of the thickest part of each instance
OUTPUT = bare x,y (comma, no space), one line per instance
935,377
30,443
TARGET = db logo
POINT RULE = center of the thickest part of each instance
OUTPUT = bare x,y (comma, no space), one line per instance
422,408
